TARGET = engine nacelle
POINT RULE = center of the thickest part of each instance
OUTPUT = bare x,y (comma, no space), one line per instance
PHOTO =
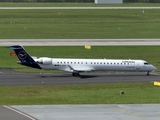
44,61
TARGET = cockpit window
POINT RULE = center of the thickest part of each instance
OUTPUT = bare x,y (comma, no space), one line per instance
146,63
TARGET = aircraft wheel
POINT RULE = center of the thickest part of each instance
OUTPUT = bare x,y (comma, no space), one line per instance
77,74
73,74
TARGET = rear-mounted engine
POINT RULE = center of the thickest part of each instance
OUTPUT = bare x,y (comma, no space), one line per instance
44,61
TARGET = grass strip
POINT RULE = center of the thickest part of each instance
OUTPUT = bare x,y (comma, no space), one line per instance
134,93
79,24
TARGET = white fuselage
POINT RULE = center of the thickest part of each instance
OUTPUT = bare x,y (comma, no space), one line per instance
80,65
83,65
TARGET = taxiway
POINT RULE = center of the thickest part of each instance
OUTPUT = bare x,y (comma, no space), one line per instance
10,78
79,42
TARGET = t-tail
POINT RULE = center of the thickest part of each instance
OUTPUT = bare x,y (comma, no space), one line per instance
24,57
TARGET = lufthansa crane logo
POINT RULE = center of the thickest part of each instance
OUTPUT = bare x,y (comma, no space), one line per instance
22,55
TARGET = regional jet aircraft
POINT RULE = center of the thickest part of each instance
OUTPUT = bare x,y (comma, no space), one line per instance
75,66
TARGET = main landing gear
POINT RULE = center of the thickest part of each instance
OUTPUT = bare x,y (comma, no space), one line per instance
75,74
148,73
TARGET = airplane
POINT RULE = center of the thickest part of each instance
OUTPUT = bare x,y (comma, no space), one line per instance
76,66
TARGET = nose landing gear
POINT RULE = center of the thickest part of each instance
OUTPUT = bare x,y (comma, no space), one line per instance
148,73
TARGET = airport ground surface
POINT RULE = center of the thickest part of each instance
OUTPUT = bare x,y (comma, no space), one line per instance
72,112
9,77
93,112
78,42
79,112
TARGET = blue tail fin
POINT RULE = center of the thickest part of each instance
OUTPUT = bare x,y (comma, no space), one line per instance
24,57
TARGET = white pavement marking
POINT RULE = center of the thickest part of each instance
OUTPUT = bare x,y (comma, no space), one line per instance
131,113
79,42
19,112
20,8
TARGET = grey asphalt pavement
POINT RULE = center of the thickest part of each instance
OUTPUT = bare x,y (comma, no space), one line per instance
7,114
78,42
10,78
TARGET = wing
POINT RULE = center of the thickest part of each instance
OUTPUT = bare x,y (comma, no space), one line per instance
80,69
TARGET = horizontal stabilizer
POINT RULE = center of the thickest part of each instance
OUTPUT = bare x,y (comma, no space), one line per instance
34,57
15,47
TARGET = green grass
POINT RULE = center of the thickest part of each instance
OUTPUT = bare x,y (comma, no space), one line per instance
79,24
62,4
135,93
148,53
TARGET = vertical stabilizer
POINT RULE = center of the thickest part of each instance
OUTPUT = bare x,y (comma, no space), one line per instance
24,57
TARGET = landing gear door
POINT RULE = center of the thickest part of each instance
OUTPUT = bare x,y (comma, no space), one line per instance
138,66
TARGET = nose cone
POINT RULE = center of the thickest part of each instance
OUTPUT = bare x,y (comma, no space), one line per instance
153,68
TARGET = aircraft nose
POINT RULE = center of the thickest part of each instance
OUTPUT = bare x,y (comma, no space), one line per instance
153,68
